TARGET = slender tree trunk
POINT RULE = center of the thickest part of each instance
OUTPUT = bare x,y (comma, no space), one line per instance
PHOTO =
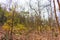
56,15
11,34
58,4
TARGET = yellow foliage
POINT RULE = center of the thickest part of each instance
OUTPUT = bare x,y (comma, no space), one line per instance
6,14
20,27
6,27
9,21
17,27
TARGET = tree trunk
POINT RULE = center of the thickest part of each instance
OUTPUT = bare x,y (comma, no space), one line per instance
56,15
11,34
58,4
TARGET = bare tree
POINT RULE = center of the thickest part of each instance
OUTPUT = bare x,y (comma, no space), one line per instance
38,10
58,4
56,15
11,35
12,10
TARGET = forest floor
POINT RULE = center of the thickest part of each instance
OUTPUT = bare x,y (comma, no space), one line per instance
35,35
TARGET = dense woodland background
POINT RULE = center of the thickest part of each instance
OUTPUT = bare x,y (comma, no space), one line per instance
31,24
